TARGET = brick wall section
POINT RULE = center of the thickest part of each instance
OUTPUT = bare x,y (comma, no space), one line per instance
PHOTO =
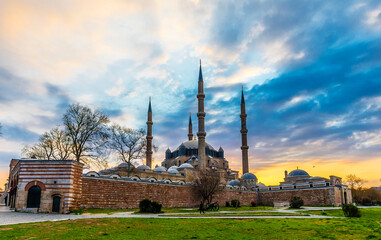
110,193
311,197
76,188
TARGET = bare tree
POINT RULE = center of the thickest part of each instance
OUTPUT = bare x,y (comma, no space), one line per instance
354,182
61,144
356,185
52,145
129,144
87,132
207,184
42,150
35,151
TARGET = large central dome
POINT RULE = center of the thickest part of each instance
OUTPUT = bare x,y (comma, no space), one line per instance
193,144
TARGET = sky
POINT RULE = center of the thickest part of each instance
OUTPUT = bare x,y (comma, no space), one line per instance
310,70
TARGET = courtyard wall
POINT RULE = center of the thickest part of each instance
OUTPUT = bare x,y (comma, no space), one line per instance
324,196
113,193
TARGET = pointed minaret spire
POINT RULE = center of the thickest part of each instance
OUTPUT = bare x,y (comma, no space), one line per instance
244,147
190,130
149,136
149,105
242,97
200,79
201,134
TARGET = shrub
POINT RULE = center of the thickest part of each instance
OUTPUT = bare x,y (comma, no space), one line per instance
296,202
145,206
235,203
253,204
156,207
227,204
148,206
351,210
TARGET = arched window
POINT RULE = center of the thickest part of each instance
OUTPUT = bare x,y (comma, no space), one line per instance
34,197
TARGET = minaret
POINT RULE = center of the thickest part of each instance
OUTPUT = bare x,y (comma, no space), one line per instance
201,122
244,147
190,131
149,136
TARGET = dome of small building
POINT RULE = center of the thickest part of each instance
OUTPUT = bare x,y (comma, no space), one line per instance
144,167
261,185
234,183
186,165
160,169
298,173
122,165
168,151
173,167
173,171
248,176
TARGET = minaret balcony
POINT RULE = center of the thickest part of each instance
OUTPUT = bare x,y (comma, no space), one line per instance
201,95
201,134
201,114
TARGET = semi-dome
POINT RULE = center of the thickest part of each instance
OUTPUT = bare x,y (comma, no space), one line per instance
186,165
173,171
144,167
193,144
298,173
234,182
160,169
248,176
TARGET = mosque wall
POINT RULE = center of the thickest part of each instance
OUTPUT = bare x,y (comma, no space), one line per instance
311,197
113,193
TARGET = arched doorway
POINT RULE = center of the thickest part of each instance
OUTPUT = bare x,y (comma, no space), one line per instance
345,198
56,204
34,197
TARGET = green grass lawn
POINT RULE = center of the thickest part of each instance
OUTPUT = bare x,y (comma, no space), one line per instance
240,214
366,227
103,210
166,210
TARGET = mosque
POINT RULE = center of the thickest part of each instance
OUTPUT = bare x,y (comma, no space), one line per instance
60,186
183,163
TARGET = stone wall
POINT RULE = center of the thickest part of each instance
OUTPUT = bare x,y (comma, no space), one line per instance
311,196
112,193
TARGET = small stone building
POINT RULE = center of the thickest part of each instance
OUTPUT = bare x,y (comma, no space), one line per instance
44,185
